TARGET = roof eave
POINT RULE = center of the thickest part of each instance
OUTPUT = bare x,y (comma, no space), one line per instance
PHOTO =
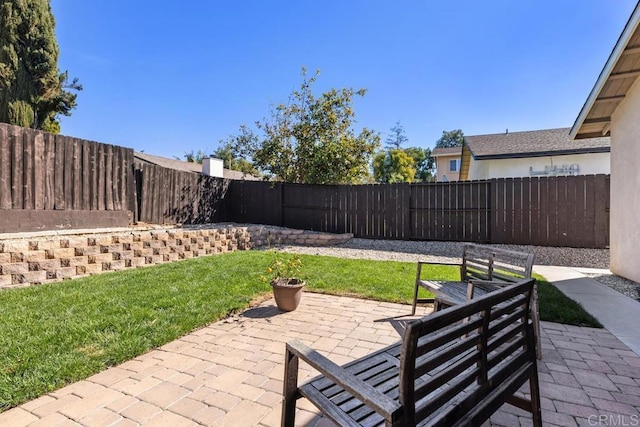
594,150
621,44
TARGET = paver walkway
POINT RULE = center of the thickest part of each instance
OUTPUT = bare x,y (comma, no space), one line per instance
230,372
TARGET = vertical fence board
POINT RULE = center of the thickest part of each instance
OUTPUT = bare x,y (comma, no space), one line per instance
116,179
38,171
28,136
68,172
94,175
5,168
108,177
48,171
17,197
85,155
601,207
76,182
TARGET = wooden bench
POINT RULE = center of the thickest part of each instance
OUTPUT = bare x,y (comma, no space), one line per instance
446,371
483,269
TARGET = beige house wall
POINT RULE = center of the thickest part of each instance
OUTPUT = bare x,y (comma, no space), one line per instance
589,164
442,168
625,185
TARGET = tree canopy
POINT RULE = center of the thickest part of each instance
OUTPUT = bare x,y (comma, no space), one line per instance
423,162
452,138
33,90
397,137
393,166
228,152
311,139
398,164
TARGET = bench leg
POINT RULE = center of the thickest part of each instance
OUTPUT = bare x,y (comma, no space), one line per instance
535,319
534,387
415,298
290,389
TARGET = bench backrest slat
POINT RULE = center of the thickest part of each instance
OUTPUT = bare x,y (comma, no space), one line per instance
490,263
461,351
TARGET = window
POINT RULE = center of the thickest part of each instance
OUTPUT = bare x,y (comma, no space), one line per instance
454,165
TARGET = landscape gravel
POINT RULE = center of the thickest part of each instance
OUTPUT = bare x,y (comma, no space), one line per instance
412,251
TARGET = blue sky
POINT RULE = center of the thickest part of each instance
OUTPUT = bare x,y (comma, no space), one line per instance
168,77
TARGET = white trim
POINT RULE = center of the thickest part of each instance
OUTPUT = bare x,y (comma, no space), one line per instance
622,42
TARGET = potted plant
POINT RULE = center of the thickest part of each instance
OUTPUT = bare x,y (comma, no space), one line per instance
283,276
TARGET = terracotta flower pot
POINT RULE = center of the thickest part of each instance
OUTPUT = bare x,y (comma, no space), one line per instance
287,293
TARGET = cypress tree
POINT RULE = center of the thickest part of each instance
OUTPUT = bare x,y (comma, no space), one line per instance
32,89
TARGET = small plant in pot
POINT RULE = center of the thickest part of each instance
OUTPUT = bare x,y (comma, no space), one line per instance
283,275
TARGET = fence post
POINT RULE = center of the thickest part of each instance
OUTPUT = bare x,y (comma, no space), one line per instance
493,210
281,205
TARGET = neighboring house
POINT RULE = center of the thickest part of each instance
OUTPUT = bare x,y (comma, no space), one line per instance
613,108
181,165
549,152
447,163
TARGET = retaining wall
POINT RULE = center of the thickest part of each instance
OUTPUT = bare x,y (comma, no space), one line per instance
34,259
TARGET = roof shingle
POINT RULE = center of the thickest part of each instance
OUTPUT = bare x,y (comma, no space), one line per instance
533,144
446,151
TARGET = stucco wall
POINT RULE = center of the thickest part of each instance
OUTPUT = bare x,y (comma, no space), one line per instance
590,164
625,185
442,167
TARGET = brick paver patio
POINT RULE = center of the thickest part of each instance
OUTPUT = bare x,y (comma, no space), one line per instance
230,373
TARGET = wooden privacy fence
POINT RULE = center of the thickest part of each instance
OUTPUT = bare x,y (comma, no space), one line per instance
56,182
42,175
169,196
558,211
53,181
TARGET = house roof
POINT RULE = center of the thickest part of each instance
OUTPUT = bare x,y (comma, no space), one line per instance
181,165
616,78
168,163
446,151
537,143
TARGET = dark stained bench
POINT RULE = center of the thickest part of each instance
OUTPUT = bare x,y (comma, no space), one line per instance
455,367
483,269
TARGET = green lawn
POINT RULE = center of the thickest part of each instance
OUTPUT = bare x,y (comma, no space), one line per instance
51,335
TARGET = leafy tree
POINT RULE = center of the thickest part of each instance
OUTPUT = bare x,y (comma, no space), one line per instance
423,162
397,137
394,165
452,138
33,92
194,157
311,139
228,152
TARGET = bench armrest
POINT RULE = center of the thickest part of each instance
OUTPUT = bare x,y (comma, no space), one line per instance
421,263
366,393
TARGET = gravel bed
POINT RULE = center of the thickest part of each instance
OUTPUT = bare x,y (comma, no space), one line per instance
412,251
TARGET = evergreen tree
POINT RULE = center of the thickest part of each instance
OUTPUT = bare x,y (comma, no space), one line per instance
397,137
32,89
452,138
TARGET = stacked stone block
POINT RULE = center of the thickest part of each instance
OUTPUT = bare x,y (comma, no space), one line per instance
44,259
